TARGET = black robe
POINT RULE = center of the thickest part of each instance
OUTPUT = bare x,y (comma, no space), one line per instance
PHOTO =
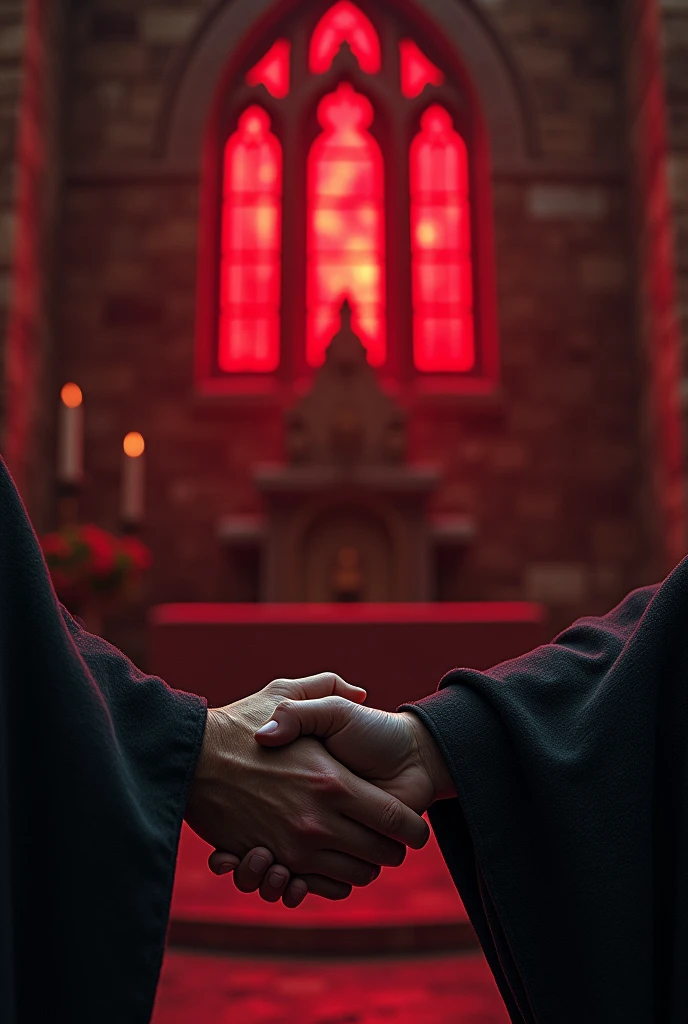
95,761
568,841
569,838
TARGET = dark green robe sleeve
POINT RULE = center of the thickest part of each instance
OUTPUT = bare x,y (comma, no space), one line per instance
569,838
96,758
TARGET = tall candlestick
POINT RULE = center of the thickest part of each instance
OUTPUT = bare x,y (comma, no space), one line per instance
70,448
133,479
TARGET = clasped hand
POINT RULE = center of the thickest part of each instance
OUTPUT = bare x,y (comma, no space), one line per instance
331,813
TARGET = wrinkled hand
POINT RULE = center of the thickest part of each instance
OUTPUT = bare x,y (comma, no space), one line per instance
393,751
318,819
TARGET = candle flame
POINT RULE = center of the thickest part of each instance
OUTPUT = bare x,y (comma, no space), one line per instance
133,444
71,395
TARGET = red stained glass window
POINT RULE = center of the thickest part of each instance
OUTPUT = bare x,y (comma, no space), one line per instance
443,340
251,242
344,23
345,232
416,70
272,70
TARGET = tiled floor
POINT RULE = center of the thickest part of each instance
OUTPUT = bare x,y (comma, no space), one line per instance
230,990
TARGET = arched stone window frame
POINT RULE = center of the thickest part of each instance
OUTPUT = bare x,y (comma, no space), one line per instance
498,132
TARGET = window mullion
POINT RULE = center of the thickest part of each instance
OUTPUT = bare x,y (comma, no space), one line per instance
399,306
293,313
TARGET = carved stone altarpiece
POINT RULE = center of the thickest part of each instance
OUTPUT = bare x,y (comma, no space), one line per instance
346,516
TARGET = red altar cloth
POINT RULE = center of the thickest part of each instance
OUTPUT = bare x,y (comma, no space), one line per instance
398,652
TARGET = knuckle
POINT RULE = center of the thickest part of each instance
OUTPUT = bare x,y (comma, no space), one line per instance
391,817
339,704
278,686
328,782
309,828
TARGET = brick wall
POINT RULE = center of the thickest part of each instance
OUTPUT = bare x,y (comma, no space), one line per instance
11,52
30,45
674,49
654,230
551,469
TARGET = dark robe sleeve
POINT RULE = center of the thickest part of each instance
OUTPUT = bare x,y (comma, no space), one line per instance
96,759
568,841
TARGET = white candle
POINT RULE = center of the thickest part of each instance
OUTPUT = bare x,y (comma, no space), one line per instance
70,447
133,479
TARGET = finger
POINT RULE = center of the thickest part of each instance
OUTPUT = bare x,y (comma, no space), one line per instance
364,844
324,684
385,814
342,867
319,885
275,883
249,875
221,863
296,892
292,718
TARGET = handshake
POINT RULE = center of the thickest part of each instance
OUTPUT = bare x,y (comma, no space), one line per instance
290,813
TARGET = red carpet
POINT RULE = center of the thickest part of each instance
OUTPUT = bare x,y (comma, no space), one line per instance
407,909
229,990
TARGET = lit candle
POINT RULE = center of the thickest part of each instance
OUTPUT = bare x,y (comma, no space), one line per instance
70,449
133,479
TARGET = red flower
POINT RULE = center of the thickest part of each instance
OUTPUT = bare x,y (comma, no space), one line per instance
141,558
55,546
102,549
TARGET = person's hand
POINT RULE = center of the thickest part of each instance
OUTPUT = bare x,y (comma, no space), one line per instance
319,820
258,871
393,751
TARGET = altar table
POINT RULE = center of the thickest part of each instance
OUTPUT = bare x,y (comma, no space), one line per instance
397,652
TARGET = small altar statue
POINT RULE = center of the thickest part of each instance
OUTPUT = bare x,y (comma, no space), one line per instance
346,420
347,575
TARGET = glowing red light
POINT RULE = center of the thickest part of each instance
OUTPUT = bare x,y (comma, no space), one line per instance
443,340
345,246
416,70
251,239
272,70
344,23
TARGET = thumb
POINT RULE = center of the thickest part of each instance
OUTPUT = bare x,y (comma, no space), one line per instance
323,684
293,718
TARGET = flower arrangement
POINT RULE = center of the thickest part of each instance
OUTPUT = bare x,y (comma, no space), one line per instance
92,567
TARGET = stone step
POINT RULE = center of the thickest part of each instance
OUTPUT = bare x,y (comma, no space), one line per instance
217,989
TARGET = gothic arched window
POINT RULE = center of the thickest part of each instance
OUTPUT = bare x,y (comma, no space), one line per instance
348,166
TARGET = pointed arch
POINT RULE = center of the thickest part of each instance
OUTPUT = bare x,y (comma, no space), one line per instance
468,35
349,241
344,23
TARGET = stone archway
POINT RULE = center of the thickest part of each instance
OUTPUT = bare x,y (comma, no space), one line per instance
466,33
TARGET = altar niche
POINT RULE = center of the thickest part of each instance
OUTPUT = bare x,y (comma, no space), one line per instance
346,515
